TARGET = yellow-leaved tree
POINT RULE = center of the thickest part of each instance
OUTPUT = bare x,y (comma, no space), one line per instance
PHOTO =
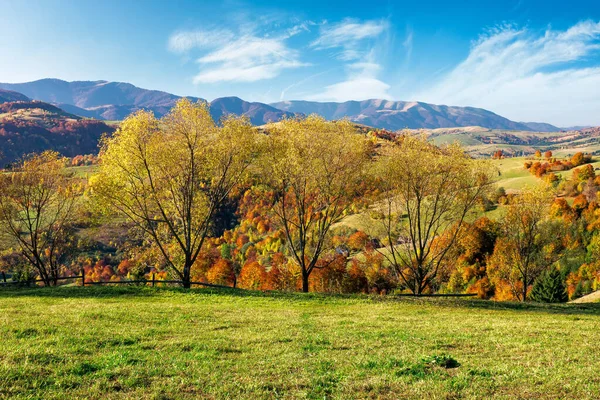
316,170
426,191
37,206
170,176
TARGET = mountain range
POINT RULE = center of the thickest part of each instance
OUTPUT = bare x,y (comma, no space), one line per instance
115,100
396,115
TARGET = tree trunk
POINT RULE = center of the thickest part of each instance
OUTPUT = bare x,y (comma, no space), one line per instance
187,270
524,289
304,282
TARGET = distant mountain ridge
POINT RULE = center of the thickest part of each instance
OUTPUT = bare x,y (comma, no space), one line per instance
115,100
395,115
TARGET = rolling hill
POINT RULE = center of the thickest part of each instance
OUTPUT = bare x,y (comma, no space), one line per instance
483,142
34,126
8,96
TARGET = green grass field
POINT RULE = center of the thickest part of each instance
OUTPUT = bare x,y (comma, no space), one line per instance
105,343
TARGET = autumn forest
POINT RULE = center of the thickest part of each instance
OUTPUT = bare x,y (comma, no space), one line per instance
300,205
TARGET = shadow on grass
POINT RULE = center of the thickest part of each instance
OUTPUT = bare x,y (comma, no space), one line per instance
146,291
562,308
109,291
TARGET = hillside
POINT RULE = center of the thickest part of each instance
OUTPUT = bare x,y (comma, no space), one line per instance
483,142
27,127
395,115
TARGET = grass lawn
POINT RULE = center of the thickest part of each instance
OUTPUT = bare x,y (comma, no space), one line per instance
166,343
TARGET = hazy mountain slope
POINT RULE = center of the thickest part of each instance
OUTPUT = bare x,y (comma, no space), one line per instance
541,127
258,113
396,115
9,95
87,94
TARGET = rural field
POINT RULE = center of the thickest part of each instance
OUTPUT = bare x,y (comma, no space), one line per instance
137,342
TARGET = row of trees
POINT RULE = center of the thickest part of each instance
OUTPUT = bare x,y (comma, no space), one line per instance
180,179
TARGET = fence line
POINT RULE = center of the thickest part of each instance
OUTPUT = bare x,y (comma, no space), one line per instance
153,281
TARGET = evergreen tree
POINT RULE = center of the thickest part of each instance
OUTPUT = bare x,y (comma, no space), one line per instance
549,288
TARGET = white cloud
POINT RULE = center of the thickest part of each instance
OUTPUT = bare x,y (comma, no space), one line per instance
408,43
246,58
361,84
348,33
239,73
528,76
181,42
353,42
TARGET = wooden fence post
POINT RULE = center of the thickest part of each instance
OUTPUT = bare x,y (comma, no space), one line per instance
153,279
82,276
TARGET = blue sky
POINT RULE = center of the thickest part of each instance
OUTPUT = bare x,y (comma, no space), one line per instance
524,59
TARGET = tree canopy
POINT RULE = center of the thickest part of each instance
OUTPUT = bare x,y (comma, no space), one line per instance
170,176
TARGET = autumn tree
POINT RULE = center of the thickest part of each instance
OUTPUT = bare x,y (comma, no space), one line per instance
170,176
37,205
315,169
528,241
426,191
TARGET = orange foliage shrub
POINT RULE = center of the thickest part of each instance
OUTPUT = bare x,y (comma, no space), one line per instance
221,273
253,276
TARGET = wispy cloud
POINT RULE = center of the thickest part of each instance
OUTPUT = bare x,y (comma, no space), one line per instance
408,43
183,41
302,82
353,42
526,75
360,84
238,58
348,33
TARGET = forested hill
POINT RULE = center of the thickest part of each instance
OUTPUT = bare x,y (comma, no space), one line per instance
33,126
9,95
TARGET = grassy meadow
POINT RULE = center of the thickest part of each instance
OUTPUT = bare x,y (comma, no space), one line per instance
133,343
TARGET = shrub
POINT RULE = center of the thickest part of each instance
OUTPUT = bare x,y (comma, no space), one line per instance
549,288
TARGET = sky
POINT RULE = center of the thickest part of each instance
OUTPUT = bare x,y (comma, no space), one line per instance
527,60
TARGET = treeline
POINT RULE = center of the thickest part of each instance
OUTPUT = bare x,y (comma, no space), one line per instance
230,205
